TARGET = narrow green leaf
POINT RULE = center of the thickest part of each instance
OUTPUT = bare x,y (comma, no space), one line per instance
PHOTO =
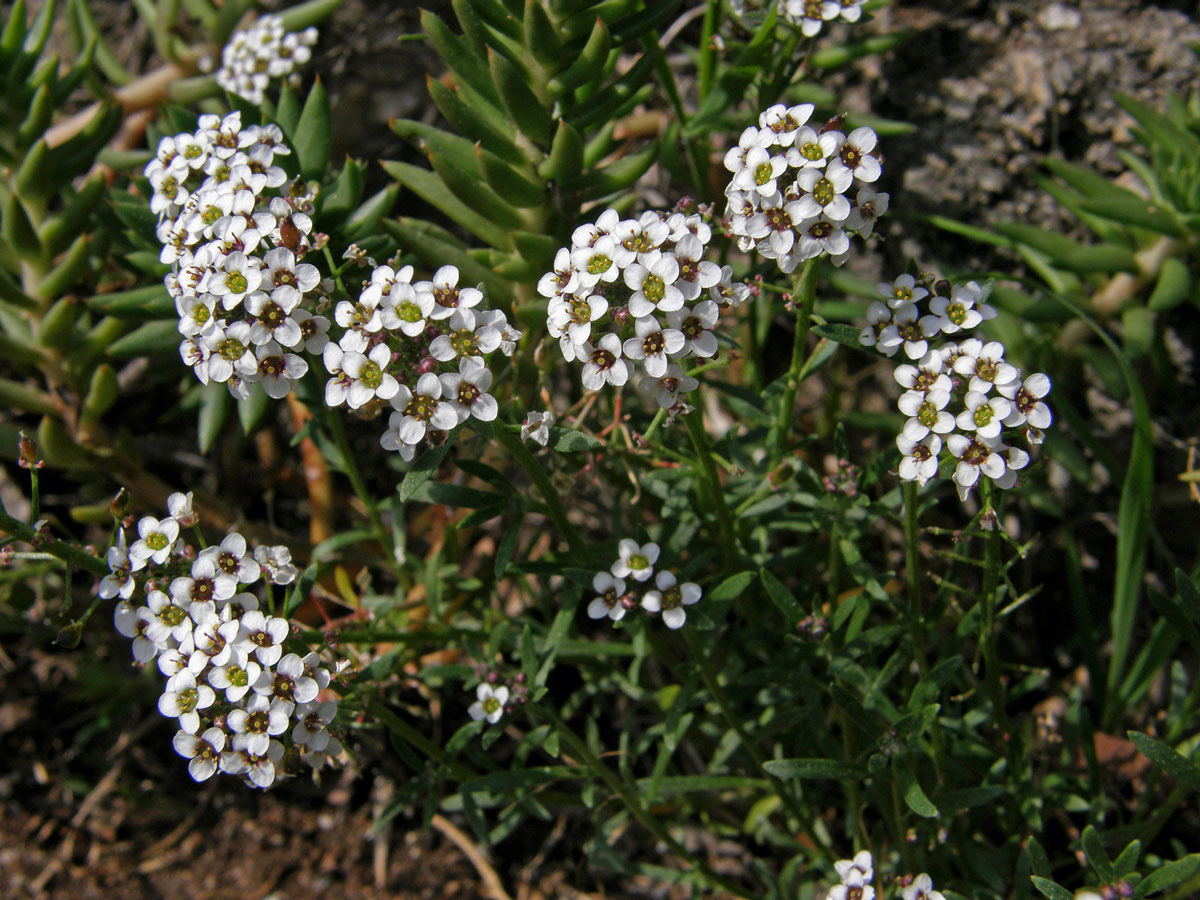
1050,889
846,335
311,12
969,798
1168,135
423,468
460,55
18,230
541,37
1130,209
782,598
1183,770
565,159
609,102
815,768
339,201
152,339
1168,876
615,177
214,411
58,231
869,722
1174,285
840,55
588,65
511,185
252,410
150,302
1126,863
521,104
67,271
507,546
914,796
365,221
1097,856
468,114
430,188
314,133
1039,863
731,588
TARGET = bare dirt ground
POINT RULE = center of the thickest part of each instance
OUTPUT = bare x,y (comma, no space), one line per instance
94,802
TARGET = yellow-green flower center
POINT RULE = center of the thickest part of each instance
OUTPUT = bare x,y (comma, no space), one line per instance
370,375
408,311
638,562
763,173
927,415
812,152
654,288
465,342
983,415
491,705
598,264
956,313
173,615
188,700
236,282
231,349
823,192
237,676
157,541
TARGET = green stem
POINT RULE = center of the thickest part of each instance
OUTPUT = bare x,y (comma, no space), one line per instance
991,583
68,553
707,51
35,496
632,801
334,422
805,295
712,482
510,437
411,736
802,817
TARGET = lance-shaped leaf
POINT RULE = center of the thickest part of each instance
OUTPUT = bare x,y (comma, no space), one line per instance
521,104
1160,129
1070,254
79,153
82,30
18,230
816,768
466,113
302,15
102,393
1179,767
338,202
537,249
541,37
15,28
640,24
430,188
1128,208
57,232
150,302
69,270
614,177
152,339
914,796
314,133
32,46
612,100
364,221
588,65
511,185
458,52
1173,287
41,110
566,153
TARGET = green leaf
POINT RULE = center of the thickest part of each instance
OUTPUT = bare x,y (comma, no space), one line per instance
1183,770
521,779
1189,594
314,133
338,202
1126,863
541,37
1097,856
732,587
1160,129
782,598
1039,864
610,102
423,468
969,798
1169,875
869,722
564,440
1173,287
847,335
816,768
213,412
521,104
1130,209
565,159
1051,889
934,681
151,339
914,796
459,54
837,56
18,230
365,221
469,114
312,12
588,65
457,495
615,177
58,231
507,546
511,185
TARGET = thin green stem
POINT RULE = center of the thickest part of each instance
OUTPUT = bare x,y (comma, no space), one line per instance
511,439
712,482
68,553
334,422
632,801
655,424
991,583
707,50
805,295
35,496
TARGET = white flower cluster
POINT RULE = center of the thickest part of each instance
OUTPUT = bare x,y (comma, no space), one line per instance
260,53
635,562
398,335
948,396
858,873
789,197
647,279
809,15
236,693
235,233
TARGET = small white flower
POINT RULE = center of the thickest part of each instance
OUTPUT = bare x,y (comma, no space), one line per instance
278,370
421,409
879,317
921,889
179,505
119,582
653,344
667,387
906,329
609,603
312,723
202,750
155,540
536,427
635,561
862,862
983,415
466,335
854,155
234,678
604,363
696,325
902,291
1027,405
466,390
183,697
489,703
726,293
670,598
653,284
927,375
276,562
984,364
975,454
231,354
920,460
254,726
927,412
824,194
266,634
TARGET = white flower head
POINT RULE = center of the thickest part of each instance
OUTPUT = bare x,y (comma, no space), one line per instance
610,602
489,703
635,560
670,598
536,427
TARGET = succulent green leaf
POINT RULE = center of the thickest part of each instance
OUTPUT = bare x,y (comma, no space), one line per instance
511,185
1168,876
835,769
103,391
214,412
541,37
82,30
158,338
314,133
364,221
41,110
461,55
18,230
587,65
150,302
430,188
313,12
614,99
287,112
338,202
616,176
914,796
566,154
521,104
15,27
68,271
1173,287
536,249
472,116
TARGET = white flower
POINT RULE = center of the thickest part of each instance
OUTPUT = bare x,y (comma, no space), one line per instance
921,889
594,263
287,683
235,276
902,291
824,194
155,540
202,750
273,319
726,293
604,364
696,325
821,236
367,376
862,862
466,335
183,697
920,461
563,280
653,284
667,387
926,376
489,703
314,330
312,722
277,563
985,364
253,726
759,172
906,329
230,352
133,623
1027,405
467,390
635,561
536,427
235,678
975,454
854,154
750,139
927,410
611,591
277,370
571,317
810,150
869,206
421,409
670,598
265,634
119,582
785,121
879,317
653,344
983,415
407,309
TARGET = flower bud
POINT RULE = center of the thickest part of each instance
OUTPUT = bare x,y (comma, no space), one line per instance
28,453
69,636
119,505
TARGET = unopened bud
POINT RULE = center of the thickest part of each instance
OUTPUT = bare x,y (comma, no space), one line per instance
837,123
119,505
69,636
28,453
